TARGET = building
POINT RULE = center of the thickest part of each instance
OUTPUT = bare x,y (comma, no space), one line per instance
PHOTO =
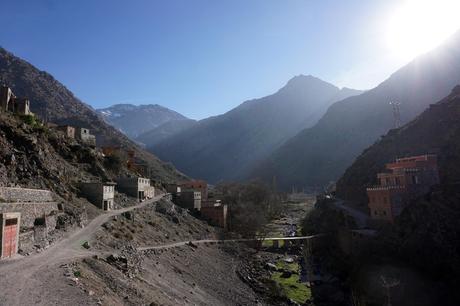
405,179
9,234
7,99
69,131
85,136
9,102
22,106
138,187
216,214
189,199
197,185
100,194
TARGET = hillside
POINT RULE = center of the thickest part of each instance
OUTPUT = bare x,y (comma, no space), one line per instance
322,153
53,102
134,120
164,131
226,146
436,130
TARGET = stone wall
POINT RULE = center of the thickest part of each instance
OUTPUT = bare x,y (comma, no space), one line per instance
29,211
12,194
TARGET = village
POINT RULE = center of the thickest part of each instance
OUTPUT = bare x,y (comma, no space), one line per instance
28,215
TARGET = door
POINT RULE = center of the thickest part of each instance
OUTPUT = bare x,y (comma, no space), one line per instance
9,238
106,205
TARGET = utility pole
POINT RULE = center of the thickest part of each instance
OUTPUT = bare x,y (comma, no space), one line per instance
396,113
389,283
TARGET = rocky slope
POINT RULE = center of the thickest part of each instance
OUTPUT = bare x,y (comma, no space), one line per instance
134,120
226,146
436,131
422,244
164,131
53,102
185,275
320,154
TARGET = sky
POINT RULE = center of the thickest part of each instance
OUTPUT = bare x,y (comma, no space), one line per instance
203,57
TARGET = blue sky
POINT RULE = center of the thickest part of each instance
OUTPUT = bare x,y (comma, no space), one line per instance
199,57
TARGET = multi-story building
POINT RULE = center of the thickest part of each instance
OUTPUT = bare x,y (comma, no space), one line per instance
190,199
136,187
100,194
406,179
197,185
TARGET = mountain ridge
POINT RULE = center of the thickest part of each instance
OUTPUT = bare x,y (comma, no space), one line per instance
223,147
134,120
352,124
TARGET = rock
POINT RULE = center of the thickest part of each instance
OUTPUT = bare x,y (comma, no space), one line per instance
271,267
85,245
289,260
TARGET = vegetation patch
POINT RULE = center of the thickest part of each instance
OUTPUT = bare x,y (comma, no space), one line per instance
291,286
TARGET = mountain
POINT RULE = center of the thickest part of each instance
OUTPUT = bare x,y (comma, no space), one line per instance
134,120
435,131
164,131
53,102
321,153
225,146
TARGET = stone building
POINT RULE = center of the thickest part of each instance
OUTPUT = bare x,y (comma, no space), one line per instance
197,185
406,179
138,187
9,234
22,106
69,131
6,99
31,203
9,102
84,135
216,214
189,199
100,194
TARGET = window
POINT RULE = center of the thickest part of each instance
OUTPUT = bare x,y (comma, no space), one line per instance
385,200
398,181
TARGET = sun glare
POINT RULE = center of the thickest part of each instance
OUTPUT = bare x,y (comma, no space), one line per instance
420,25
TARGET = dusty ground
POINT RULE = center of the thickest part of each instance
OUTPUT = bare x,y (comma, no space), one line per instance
202,274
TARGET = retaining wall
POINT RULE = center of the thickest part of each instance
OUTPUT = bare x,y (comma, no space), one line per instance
13,194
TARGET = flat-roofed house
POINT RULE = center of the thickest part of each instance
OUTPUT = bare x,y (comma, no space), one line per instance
405,179
69,131
138,187
190,199
84,135
6,99
100,194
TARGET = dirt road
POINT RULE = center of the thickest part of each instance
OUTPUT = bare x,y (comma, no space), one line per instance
37,280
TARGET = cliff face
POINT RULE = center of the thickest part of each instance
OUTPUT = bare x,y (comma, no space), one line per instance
436,131
53,102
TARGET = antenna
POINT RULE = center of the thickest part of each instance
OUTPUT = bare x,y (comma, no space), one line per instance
396,113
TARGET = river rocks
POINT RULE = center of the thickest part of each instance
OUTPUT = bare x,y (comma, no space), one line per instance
271,267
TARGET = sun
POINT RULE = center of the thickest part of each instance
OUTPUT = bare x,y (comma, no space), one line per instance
418,26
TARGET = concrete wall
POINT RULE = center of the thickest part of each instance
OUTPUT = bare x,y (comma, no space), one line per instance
132,185
12,194
217,215
29,211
